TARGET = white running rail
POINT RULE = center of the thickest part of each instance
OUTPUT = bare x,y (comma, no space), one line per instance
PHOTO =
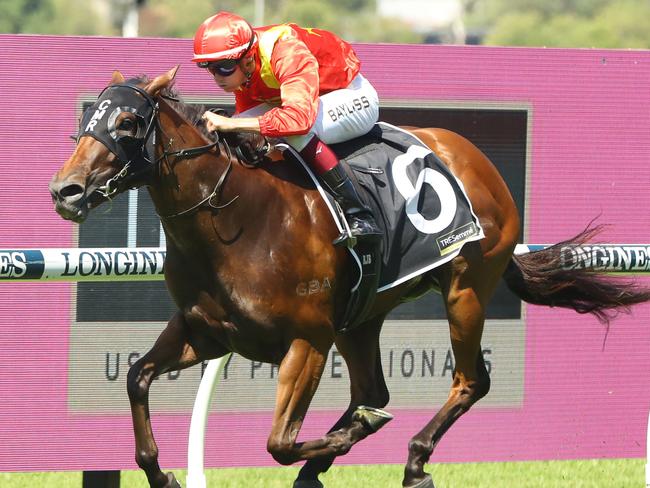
146,264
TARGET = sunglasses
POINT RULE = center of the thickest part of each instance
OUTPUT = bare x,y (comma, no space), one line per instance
225,67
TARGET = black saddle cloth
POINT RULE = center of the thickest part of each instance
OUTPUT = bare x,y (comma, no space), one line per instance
419,204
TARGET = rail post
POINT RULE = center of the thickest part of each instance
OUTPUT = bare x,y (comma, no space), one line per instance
196,442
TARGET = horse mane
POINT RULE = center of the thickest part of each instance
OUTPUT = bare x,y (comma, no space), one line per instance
191,111
251,146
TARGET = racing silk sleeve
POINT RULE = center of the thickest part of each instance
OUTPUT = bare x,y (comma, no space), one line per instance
296,69
243,101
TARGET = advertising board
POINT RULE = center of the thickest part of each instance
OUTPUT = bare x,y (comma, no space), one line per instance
568,129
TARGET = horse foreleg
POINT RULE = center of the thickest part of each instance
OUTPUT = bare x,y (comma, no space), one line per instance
360,349
298,378
171,352
465,301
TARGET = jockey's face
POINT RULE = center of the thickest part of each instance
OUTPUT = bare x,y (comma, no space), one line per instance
230,83
231,79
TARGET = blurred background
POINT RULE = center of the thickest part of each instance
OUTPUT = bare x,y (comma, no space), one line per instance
551,23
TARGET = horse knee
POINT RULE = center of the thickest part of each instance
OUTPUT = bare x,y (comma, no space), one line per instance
282,451
137,384
471,392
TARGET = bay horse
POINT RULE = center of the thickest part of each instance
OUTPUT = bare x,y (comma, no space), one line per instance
239,241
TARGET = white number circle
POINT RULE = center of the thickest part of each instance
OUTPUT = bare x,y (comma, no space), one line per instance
411,193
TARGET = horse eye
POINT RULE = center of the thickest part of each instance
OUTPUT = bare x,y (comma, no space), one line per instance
127,124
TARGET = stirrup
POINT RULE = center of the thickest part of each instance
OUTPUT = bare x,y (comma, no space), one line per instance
351,235
350,239
345,238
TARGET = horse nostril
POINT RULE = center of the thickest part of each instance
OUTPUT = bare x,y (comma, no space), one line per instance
71,191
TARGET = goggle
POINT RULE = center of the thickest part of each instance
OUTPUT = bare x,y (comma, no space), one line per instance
225,67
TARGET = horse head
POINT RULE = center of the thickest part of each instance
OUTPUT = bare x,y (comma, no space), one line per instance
115,146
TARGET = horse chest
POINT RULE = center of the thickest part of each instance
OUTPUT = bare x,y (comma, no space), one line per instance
244,336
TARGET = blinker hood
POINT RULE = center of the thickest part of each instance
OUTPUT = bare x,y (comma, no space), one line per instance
99,121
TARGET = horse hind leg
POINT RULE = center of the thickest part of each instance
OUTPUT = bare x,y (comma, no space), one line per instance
360,349
466,286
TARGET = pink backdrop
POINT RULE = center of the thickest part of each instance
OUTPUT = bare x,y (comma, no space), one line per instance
589,155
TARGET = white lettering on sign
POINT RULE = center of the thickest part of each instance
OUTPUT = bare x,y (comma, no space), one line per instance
97,116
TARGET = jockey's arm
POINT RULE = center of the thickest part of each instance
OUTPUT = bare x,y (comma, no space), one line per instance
296,69
227,124
243,102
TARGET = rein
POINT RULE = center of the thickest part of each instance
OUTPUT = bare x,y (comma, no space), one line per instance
216,193
128,174
213,198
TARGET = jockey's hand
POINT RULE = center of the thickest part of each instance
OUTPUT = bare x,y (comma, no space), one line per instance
216,122
228,124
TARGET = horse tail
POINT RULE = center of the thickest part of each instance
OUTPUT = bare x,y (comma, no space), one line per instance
541,278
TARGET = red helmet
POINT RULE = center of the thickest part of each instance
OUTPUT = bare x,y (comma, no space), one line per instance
222,36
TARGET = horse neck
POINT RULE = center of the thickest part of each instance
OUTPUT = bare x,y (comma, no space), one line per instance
183,183
182,180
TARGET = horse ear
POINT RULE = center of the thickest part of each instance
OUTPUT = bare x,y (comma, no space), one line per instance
162,81
117,78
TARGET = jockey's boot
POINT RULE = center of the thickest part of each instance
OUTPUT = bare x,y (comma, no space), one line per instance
359,217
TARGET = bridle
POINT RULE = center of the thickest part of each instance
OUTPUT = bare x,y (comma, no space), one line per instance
136,152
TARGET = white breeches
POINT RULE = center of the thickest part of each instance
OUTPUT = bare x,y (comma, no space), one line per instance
342,114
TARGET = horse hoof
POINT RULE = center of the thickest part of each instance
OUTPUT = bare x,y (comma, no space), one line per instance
171,481
372,418
307,484
427,482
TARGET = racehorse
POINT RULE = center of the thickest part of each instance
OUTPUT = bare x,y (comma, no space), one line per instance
240,240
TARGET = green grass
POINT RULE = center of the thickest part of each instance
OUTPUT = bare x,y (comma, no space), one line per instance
616,473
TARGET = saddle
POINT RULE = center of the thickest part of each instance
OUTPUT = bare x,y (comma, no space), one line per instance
421,207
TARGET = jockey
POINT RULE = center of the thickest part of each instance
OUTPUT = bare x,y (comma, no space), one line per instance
302,85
